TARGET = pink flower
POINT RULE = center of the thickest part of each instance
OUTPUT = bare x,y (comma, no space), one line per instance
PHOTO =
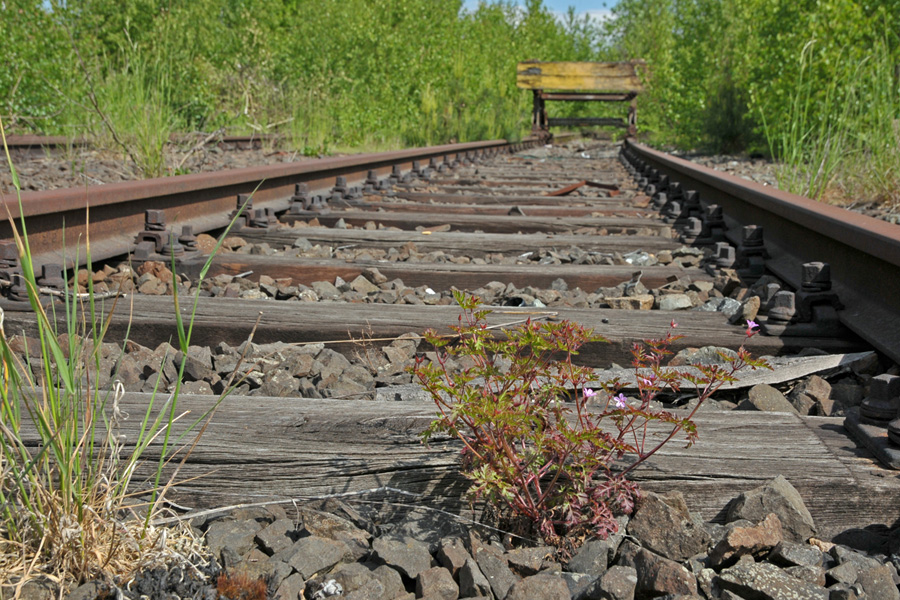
621,400
588,392
751,327
673,324
645,381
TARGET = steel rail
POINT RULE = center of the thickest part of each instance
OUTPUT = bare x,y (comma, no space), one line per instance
864,253
116,211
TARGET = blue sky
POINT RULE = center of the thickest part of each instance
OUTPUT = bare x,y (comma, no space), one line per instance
596,8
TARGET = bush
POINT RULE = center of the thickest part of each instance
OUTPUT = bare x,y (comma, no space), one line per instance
535,437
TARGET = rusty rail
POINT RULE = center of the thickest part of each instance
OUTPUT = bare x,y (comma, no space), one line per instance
864,253
203,201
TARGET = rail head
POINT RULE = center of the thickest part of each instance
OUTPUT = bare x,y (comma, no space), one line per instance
864,253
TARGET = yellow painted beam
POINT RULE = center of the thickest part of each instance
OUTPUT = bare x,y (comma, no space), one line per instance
592,76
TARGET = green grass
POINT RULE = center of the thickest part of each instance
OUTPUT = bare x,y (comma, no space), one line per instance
72,505
841,141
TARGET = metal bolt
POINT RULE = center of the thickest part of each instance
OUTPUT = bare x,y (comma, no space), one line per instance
18,291
693,227
816,277
154,220
671,209
187,238
52,276
783,307
752,236
9,255
675,191
725,255
244,203
884,387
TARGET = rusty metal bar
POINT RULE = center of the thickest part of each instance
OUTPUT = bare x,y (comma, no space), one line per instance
864,253
116,211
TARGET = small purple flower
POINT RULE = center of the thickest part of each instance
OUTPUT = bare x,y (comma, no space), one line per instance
621,400
588,392
645,381
751,327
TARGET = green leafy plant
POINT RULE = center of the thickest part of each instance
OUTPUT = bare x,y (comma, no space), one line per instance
536,438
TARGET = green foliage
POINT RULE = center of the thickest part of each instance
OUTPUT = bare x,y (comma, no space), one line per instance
535,437
327,73
733,74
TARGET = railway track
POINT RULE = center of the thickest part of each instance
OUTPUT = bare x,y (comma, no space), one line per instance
336,265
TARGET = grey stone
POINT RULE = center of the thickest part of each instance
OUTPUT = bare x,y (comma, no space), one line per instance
674,302
325,290
291,588
277,536
766,398
847,393
663,525
494,567
529,561
436,583
279,384
707,355
86,591
429,528
327,525
391,581
407,555
767,582
472,582
840,591
543,585
196,388
658,576
363,286
729,307
846,555
779,497
813,575
741,541
452,554
256,564
580,584
592,558
356,580
313,554
34,589
787,554
237,536
846,573
618,583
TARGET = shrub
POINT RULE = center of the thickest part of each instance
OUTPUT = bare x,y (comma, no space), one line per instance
535,437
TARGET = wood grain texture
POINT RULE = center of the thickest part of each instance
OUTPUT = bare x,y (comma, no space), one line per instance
470,244
571,76
471,223
151,322
440,276
258,449
594,209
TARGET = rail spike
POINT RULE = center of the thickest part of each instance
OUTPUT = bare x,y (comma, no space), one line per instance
811,311
155,242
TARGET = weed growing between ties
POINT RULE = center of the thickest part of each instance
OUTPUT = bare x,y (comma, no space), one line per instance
536,439
82,479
